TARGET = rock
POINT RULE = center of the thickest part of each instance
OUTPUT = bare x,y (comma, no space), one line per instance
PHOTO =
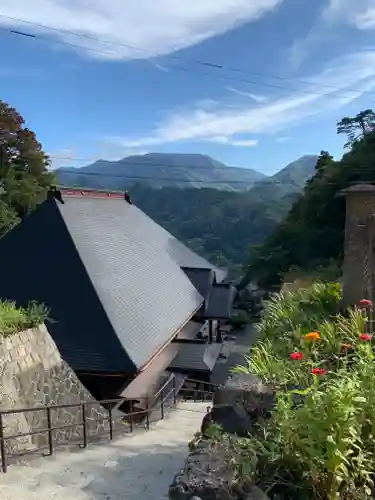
257,399
256,493
232,419
206,475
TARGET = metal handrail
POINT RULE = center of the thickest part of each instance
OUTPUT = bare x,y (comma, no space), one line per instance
159,399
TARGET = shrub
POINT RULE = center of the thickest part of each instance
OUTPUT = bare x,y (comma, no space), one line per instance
321,445
240,319
15,319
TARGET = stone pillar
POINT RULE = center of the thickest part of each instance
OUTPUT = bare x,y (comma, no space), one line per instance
359,257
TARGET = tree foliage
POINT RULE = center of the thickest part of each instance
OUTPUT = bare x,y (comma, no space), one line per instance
24,176
312,234
220,225
356,127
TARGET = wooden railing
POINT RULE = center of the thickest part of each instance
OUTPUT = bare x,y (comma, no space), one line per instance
160,399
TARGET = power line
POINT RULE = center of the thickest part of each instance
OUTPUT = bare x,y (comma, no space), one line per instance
181,68
210,64
125,161
161,179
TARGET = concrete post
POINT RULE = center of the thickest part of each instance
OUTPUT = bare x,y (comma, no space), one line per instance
359,258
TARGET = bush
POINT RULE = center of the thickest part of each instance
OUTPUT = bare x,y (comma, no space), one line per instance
240,319
320,446
15,319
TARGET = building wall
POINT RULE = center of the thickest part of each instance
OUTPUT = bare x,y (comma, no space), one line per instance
359,263
32,374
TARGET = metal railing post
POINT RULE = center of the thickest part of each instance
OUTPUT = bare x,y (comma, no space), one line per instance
110,422
49,427
147,416
174,390
162,403
131,416
3,452
84,425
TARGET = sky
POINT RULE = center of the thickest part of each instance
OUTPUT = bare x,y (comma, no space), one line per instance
252,83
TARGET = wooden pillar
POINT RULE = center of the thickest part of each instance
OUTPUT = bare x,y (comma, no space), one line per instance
210,331
359,258
218,333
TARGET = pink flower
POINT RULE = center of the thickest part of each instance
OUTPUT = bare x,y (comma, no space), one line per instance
319,371
366,337
296,356
365,304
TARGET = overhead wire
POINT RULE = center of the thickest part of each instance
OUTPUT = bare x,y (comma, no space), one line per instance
210,64
177,57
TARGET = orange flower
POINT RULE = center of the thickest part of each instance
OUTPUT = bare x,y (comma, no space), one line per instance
312,336
345,347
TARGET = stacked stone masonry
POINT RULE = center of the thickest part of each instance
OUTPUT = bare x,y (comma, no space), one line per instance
33,374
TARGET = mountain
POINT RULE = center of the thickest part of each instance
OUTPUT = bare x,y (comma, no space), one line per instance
233,210
158,170
290,180
297,172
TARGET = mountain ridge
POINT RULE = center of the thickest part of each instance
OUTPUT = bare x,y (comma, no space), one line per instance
181,170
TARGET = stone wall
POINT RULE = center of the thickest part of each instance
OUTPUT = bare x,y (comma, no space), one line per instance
33,374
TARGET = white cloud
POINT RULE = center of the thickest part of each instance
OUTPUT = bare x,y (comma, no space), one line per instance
334,82
231,141
325,29
158,27
358,13
254,97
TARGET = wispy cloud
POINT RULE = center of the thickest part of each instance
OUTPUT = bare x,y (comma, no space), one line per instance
254,97
200,124
359,14
282,139
156,27
232,141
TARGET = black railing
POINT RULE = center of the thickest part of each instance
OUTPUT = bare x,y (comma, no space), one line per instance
166,397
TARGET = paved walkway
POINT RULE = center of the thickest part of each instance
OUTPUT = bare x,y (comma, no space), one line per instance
235,350
137,466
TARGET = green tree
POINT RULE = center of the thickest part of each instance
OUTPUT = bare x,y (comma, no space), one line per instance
24,175
356,127
311,236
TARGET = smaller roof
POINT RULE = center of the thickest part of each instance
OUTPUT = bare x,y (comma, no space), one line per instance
196,357
201,278
189,331
220,301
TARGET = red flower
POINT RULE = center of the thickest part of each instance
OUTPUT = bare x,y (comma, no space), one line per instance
296,355
365,336
365,304
319,371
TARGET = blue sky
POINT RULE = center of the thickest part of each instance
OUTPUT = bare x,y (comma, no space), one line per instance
133,81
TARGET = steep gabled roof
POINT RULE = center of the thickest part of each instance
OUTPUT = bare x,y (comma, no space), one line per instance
145,294
116,294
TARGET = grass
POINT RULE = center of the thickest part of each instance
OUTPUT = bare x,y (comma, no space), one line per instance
15,319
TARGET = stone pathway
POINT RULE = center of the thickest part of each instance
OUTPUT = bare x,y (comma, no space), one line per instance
235,350
136,466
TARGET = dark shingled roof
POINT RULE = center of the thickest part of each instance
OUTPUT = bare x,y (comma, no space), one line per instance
110,275
196,357
220,301
201,278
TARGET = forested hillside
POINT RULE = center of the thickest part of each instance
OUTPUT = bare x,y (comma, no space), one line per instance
219,225
312,234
